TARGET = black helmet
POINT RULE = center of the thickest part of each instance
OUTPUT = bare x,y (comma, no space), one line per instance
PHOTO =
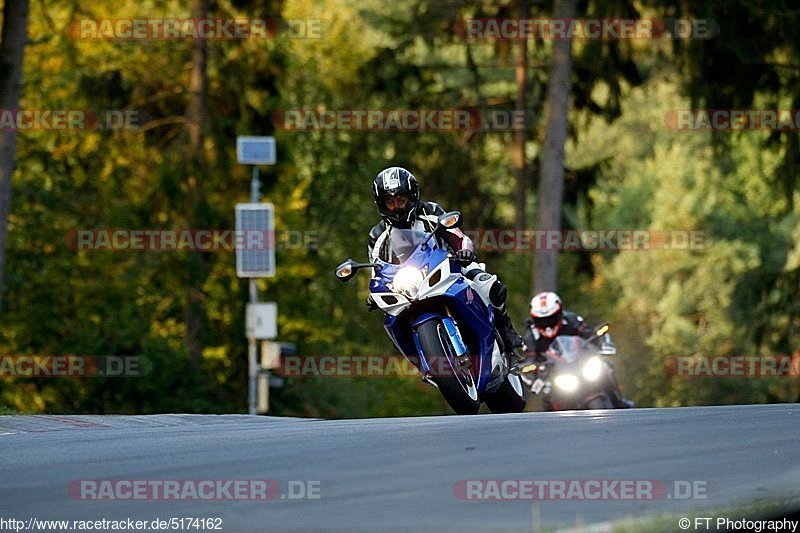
395,182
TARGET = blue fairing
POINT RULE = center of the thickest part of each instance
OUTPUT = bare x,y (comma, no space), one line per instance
476,318
402,335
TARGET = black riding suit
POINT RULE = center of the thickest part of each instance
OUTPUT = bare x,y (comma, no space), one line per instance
571,324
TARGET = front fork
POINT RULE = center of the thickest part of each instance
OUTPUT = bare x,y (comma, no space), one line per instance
456,342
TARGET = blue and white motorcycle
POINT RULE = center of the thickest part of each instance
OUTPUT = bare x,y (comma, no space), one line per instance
440,322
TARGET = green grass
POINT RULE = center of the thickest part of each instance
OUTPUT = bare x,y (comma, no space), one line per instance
758,509
7,411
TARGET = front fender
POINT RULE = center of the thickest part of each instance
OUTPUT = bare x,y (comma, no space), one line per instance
449,326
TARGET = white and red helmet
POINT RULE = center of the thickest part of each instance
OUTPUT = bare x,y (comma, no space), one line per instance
546,311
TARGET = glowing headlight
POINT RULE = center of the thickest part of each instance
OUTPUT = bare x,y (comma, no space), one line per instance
407,281
592,368
566,382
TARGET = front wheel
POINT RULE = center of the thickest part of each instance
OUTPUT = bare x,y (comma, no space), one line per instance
600,402
455,382
510,397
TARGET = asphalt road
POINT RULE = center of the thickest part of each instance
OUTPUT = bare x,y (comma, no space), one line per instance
403,473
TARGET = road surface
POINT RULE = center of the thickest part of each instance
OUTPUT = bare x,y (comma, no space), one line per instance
402,473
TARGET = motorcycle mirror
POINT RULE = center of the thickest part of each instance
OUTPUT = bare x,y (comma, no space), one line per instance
347,270
602,329
447,220
608,350
450,220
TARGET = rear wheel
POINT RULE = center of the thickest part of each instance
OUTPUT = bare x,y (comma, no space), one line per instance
509,398
454,380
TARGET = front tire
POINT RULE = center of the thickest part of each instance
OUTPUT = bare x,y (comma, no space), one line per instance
507,399
600,402
455,383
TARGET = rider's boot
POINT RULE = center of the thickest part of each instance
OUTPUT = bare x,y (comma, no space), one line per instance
511,340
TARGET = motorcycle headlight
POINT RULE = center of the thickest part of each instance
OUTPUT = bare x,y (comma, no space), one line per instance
566,382
407,281
592,368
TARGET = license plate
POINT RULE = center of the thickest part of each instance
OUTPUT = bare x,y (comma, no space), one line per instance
537,386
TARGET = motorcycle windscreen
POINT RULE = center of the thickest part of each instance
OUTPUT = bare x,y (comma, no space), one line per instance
403,242
567,347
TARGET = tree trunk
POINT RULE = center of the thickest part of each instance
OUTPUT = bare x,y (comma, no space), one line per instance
198,86
520,134
12,51
196,118
551,181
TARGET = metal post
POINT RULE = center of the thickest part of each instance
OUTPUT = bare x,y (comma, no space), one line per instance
254,185
252,346
254,151
252,371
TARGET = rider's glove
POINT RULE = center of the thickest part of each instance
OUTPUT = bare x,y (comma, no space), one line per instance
371,305
466,257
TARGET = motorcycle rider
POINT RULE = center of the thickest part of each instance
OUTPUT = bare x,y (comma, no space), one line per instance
396,194
549,319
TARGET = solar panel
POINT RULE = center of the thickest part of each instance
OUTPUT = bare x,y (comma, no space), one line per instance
255,240
255,150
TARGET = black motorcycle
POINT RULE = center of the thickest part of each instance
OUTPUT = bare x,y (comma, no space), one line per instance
573,374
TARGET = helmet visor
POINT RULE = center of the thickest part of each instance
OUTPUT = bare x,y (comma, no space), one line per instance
395,203
547,321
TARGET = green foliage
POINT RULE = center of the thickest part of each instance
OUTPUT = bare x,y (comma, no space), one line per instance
734,295
700,301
